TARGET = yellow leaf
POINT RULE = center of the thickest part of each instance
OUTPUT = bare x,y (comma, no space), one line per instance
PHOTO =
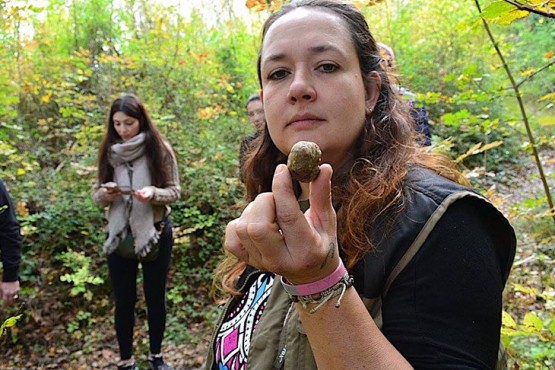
473,149
532,321
549,54
550,97
469,152
507,320
492,145
255,3
524,289
22,209
528,72
547,121
20,172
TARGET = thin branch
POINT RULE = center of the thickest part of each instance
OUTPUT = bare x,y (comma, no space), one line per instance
522,110
529,77
529,8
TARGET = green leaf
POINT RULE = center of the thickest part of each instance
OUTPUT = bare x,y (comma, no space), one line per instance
501,12
10,322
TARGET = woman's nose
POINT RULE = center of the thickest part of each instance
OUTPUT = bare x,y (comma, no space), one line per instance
259,117
301,88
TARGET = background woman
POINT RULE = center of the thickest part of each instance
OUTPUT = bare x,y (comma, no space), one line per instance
386,262
137,180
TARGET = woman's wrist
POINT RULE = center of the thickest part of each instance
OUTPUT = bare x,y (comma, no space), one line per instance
315,287
316,294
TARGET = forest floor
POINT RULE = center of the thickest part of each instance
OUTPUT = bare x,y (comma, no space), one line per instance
53,348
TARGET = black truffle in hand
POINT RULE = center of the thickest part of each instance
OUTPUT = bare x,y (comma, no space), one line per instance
303,161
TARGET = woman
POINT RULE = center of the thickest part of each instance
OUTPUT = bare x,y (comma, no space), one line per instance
137,180
392,265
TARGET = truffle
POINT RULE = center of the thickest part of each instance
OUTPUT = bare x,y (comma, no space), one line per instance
303,161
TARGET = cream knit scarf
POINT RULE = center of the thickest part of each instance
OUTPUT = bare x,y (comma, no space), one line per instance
130,171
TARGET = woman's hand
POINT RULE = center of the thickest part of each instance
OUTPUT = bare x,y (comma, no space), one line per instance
110,191
273,234
8,291
145,194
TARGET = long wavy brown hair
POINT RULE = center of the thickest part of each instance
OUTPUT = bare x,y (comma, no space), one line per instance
372,182
156,147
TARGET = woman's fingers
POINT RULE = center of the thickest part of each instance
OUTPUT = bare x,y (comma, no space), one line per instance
321,213
232,242
289,216
255,237
273,233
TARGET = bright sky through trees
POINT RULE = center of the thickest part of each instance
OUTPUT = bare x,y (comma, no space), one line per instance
211,10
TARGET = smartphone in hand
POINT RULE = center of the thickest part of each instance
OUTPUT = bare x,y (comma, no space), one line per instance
112,187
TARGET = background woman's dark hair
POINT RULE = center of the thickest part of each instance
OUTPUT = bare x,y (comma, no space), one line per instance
252,98
371,183
156,149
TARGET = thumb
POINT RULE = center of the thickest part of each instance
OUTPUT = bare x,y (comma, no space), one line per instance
321,211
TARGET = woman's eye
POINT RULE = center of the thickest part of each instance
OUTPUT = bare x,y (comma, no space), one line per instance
327,67
278,75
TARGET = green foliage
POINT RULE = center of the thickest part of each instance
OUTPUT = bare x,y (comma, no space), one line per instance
56,85
502,12
81,276
533,332
83,319
9,323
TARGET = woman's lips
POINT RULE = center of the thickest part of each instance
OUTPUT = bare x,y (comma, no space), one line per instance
305,121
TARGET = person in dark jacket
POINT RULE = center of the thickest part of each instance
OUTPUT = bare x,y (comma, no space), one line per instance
418,111
10,247
255,112
386,259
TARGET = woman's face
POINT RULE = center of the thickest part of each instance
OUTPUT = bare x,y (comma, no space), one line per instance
255,111
126,126
312,84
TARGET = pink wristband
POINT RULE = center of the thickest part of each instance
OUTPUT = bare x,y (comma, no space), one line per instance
317,286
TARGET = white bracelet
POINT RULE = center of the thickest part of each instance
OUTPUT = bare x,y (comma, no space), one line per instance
316,286
319,299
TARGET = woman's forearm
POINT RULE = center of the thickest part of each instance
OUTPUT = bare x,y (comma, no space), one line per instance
346,337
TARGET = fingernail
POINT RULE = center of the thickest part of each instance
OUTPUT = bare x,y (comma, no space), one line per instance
279,169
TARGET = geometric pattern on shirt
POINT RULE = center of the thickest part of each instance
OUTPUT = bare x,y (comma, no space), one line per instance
233,339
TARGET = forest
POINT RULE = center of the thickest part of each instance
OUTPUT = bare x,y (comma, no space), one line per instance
483,69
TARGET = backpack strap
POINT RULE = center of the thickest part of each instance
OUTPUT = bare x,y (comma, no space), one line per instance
374,305
411,252
422,236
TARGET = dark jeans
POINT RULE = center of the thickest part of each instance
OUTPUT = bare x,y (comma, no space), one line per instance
123,274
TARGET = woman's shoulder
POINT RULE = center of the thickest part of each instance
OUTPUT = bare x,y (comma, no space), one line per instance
169,152
428,197
432,185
